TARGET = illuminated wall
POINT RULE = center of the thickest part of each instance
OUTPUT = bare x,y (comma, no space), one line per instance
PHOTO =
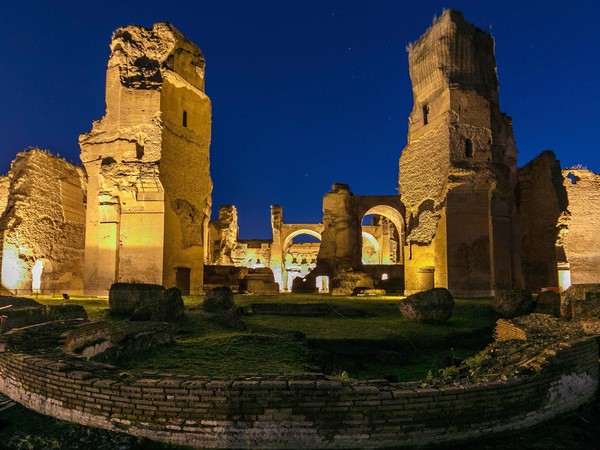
578,243
42,225
149,194
458,172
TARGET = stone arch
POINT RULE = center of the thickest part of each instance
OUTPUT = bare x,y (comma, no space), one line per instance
309,231
389,211
299,261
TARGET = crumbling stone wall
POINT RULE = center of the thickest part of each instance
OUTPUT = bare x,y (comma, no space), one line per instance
147,160
223,236
43,225
541,199
4,184
252,253
578,239
458,171
344,237
341,240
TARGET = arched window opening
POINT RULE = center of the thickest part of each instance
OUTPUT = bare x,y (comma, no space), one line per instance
425,114
381,237
572,177
184,120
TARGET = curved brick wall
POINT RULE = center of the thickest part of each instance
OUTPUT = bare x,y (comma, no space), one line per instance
300,412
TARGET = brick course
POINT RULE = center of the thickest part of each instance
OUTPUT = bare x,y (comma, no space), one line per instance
280,411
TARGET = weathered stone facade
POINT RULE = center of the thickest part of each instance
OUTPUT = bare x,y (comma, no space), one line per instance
340,246
43,225
147,160
348,247
223,236
284,257
458,171
4,185
375,247
541,199
578,244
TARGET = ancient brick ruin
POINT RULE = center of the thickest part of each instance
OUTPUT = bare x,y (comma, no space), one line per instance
42,226
458,171
147,218
466,218
578,244
541,199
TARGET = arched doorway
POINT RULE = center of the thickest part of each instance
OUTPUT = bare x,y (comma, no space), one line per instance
300,250
382,231
383,247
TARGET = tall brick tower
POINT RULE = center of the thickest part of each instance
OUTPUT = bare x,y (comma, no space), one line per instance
147,161
458,171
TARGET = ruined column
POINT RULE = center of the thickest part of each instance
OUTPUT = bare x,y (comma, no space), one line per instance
458,171
341,242
147,160
223,234
277,262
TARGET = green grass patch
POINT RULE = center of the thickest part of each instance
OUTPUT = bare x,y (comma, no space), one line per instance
96,308
335,343
205,347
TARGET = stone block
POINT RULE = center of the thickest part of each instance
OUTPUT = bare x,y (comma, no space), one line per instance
218,299
435,305
513,303
124,298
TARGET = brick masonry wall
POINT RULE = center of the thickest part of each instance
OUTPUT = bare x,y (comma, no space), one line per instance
506,330
300,412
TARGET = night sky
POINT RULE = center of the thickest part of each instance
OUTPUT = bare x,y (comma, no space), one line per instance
304,93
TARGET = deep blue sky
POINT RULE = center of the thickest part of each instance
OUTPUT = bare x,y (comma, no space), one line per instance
304,93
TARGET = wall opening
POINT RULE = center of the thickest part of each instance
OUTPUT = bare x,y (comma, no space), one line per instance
139,151
184,120
323,283
468,148
36,276
381,238
564,276
425,114
300,250
182,279
572,178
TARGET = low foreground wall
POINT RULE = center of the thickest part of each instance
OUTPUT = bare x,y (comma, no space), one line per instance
300,412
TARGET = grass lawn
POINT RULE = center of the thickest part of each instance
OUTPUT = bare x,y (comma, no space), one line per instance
380,345
96,308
